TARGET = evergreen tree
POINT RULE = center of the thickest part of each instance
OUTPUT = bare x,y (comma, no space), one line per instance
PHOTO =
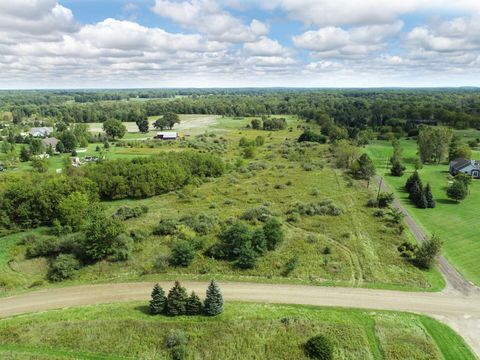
247,258
397,168
157,304
177,300
194,305
422,201
429,197
412,180
457,191
416,193
214,300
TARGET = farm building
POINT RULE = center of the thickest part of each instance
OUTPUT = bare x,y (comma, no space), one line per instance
41,131
166,136
470,167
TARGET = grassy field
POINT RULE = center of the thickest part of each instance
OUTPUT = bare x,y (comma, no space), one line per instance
243,331
363,248
456,224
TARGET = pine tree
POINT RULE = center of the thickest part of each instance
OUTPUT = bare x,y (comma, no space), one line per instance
429,197
177,300
422,201
412,180
194,305
157,304
397,168
416,193
214,300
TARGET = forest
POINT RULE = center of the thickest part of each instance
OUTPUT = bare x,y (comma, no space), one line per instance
459,108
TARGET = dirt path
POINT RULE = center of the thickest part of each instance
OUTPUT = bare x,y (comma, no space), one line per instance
460,311
454,280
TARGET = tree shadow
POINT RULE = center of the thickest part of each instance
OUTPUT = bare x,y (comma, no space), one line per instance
143,309
446,201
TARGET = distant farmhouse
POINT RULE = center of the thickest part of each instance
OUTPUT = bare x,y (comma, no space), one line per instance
469,167
41,131
166,136
50,142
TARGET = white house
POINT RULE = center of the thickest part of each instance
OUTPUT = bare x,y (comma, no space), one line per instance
469,167
41,131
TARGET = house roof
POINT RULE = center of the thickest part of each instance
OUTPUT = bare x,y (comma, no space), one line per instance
50,142
461,163
41,131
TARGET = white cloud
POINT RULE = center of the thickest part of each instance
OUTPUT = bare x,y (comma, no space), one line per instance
266,47
457,35
209,18
334,41
363,12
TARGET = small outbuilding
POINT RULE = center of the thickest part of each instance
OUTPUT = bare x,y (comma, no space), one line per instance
166,135
469,167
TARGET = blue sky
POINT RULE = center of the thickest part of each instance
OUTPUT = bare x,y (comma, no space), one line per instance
233,43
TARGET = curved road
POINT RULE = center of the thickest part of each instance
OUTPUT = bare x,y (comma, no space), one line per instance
458,305
461,312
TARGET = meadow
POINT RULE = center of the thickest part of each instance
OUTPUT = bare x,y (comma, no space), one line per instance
362,249
243,331
455,223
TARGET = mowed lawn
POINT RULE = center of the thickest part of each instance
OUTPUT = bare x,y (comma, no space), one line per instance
456,224
243,331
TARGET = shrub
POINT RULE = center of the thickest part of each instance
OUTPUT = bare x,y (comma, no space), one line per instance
127,212
273,233
183,253
42,246
325,207
175,338
309,135
259,213
291,265
179,353
63,267
319,347
202,223
247,258
385,199
122,247
426,253
166,227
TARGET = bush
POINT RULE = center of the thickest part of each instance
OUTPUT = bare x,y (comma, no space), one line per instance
42,246
385,199
179,353
259,213
319,347
325,207
309,135
247,257
127,212
183,253
63,267
273,233
122,247
426,253
202,223
291,265
175,338
166,227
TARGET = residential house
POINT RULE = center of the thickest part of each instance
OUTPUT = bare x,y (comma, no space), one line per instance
50,142
469,167
41,131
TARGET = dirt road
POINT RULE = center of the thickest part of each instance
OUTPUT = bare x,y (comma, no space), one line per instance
461,312
454,280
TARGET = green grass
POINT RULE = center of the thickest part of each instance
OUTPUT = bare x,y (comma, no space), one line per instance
243,331
456,224
363,248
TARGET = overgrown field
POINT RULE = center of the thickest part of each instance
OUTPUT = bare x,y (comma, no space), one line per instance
455,223
243,331
284,179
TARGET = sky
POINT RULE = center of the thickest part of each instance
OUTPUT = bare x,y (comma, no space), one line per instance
239,43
